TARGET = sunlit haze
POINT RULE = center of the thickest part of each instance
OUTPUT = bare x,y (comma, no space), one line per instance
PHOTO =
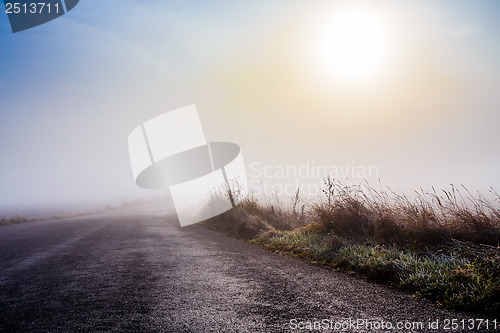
408,88
355,45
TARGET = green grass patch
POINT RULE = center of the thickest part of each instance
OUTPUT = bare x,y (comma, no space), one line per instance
456,276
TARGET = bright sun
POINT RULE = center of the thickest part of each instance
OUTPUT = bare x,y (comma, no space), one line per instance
355,46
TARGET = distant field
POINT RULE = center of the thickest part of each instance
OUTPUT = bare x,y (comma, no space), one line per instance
28,213
23,213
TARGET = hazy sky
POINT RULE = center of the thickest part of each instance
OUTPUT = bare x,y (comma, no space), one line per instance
73,89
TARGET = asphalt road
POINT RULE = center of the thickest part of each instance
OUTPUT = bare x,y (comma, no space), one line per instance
138,271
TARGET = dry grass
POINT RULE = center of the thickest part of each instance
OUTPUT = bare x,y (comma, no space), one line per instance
361,212
13,220
252,217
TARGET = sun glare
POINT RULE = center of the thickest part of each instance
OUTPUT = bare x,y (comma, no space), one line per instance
354,46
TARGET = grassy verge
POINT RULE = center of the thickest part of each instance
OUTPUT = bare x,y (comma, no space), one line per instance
437,247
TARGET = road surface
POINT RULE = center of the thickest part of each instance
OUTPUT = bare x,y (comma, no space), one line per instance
138,271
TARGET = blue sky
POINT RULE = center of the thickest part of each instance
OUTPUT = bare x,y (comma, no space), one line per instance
71,91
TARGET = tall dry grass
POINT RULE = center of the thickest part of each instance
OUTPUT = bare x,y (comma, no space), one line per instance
430,218
361,213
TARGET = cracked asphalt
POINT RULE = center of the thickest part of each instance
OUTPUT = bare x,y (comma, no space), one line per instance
137,270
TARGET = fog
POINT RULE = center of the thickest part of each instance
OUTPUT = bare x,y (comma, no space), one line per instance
73,89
